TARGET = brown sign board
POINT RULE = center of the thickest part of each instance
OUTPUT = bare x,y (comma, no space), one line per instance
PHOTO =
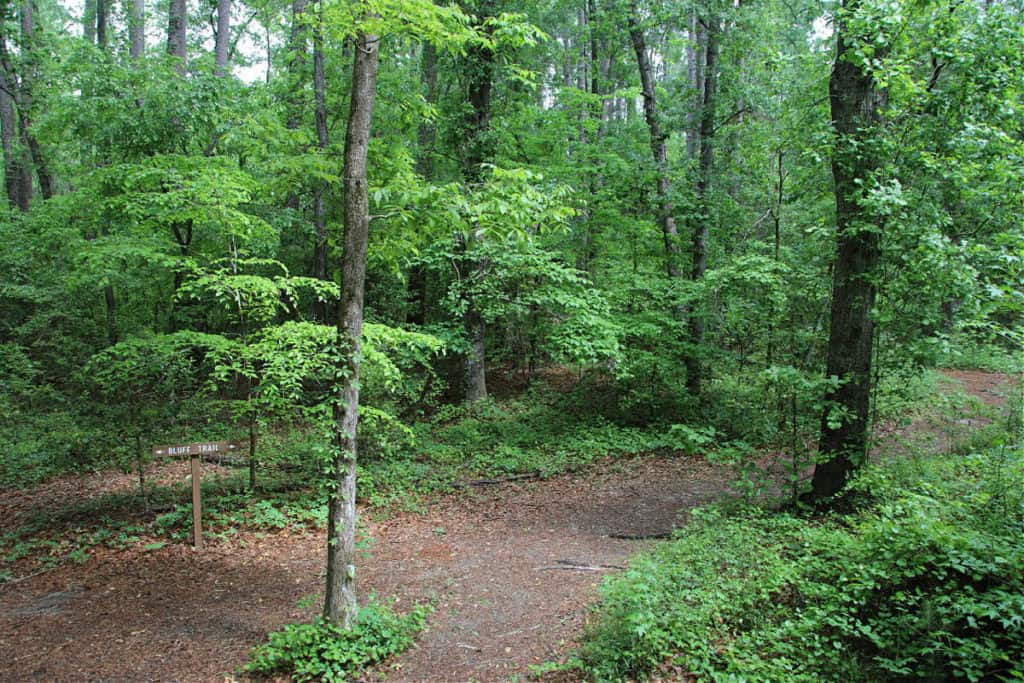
203,448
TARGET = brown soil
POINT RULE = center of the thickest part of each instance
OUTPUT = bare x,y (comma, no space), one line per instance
511,570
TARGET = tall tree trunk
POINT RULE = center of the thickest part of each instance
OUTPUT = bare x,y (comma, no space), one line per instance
296,64
24,99
426,136
12,159
297,39
480,64
177,45
694,76
101,24
89,22
137,29
320,117
427,132
670,232
699,248
857,103
340,603
223,41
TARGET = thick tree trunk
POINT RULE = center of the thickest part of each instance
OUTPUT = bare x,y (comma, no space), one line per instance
223,41
857,104
12,159
699,248
177,44
340,603
137,29
24,100
480,149
670,232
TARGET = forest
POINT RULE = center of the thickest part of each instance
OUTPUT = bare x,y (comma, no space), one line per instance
600,339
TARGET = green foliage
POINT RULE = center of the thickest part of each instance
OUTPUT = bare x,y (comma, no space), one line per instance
321,651
925,582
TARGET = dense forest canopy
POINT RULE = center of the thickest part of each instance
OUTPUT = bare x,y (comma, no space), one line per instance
734,222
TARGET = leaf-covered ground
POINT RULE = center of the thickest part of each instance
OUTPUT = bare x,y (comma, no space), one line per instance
510,569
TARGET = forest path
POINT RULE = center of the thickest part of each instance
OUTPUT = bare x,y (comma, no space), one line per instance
511,570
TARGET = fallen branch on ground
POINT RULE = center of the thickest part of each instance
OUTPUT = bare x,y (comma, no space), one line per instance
492,482
567,565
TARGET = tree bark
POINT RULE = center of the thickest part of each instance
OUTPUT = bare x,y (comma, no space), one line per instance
857,103
12,162
340,603
296,64
699,248
137,29
427,132
223,41
694,75
297,39
101,24
480,149
23,93
177,45
670,232
89,22
320,117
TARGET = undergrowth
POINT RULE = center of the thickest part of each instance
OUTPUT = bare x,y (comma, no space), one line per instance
322,651
925,581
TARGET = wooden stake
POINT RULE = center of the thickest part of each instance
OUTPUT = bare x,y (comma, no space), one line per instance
197,506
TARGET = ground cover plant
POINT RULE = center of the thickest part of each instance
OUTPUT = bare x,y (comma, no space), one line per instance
921,579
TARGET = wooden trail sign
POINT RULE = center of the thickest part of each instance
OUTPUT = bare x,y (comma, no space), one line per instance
194,450
202,448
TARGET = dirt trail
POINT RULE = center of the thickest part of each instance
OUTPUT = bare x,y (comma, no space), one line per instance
511,570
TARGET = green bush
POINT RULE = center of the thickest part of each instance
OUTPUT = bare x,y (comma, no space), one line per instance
927,583
323,651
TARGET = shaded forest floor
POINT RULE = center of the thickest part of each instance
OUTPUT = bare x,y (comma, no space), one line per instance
511,570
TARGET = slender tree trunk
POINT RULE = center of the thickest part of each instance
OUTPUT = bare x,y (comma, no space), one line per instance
699,249
177,44
252,452
296,64
137,29
89,22
340,604
223,41
670,232
426,135
297,46
694,75
857,103
320,116
101,24
140,467
776,213
427,132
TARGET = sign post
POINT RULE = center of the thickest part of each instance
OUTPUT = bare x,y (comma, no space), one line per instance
194,451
